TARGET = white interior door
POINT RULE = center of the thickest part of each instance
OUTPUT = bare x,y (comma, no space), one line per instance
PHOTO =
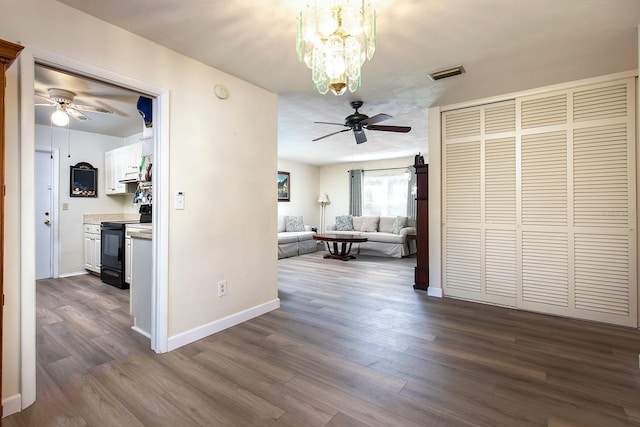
45,189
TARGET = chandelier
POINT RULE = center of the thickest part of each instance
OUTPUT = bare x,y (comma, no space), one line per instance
334,39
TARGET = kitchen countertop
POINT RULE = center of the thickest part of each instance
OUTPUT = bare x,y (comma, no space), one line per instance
98,218
142,234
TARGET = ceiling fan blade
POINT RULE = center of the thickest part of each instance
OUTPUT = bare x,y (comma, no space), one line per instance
76,114
92,109
403,129
331,123
360,136
45,105
375,119
333,133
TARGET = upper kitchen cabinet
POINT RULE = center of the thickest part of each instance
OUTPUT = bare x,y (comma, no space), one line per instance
122,164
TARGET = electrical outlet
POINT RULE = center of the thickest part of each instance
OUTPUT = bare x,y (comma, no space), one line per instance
222,288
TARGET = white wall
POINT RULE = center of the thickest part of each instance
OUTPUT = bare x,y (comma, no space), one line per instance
225,168
82,147
11,310
334,180
305,190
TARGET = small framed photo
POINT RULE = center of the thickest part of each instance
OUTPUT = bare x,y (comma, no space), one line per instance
284,187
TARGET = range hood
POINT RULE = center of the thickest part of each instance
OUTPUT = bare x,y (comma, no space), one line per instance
132,175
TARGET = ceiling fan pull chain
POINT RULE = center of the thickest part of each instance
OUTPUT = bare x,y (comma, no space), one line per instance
68,141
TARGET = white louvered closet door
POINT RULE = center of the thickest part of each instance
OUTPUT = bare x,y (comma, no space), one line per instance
539,203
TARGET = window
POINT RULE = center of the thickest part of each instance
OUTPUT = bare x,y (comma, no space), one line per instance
384,192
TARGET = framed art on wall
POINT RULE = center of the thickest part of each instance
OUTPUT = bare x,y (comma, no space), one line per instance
284,186
83,181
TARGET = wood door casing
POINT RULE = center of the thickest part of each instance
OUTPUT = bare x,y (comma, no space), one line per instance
8,53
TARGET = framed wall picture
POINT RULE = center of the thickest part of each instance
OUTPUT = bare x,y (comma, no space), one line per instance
83,181
284,186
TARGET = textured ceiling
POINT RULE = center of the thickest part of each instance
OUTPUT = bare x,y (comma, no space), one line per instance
504,45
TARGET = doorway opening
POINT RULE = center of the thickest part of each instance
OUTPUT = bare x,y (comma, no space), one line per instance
27,150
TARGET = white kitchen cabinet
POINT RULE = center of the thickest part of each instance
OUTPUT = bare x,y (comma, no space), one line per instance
120,164
127,260
132,158
141,286
113,171
128,251
92,248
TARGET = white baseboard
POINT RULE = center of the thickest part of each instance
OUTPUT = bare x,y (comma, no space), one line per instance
11,405
75,273
434,292
203,331
141,332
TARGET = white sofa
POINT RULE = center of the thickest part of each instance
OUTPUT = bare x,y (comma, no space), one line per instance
294,240
383,238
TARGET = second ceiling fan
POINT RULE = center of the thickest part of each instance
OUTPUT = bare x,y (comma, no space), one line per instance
358,122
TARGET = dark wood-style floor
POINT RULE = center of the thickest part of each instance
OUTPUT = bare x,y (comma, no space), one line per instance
352,345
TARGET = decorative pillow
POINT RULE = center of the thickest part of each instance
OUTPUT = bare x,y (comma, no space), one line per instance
357,222
344,223
293,223
386,224
370,223
399,224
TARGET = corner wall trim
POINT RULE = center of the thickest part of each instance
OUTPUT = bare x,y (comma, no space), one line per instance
434,292
204,331
11,405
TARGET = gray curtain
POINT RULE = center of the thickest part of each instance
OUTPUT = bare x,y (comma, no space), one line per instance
411,196
355,192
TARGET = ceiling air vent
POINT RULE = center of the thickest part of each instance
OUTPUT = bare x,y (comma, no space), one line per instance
449,72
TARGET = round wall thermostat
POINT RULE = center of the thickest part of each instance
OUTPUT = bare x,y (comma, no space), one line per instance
221,91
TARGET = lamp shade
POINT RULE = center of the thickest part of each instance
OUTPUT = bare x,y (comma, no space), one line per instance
324,199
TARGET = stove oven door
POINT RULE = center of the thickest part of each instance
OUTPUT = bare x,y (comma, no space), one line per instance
112,254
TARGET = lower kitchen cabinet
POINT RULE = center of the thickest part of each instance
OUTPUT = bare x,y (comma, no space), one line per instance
92,247
141,283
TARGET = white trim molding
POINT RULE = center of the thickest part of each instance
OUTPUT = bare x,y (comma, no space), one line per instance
11,405
26,63
204,331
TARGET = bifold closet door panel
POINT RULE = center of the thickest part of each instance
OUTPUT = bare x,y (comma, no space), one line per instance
539,202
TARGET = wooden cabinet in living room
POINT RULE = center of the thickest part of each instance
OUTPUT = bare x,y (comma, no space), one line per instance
422,226
92,249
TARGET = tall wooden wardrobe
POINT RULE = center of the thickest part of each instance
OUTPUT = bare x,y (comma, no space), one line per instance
422,226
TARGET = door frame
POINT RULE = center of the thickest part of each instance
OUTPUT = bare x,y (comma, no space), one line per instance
159,332
55,188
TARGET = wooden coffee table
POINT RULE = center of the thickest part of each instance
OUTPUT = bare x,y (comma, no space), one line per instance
345,240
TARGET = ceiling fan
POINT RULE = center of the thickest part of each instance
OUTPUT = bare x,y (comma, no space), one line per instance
63,101
358,122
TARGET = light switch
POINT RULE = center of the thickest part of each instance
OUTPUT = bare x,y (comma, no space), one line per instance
179,200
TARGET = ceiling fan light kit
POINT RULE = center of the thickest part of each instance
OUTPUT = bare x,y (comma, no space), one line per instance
335,37
60,116
65,107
